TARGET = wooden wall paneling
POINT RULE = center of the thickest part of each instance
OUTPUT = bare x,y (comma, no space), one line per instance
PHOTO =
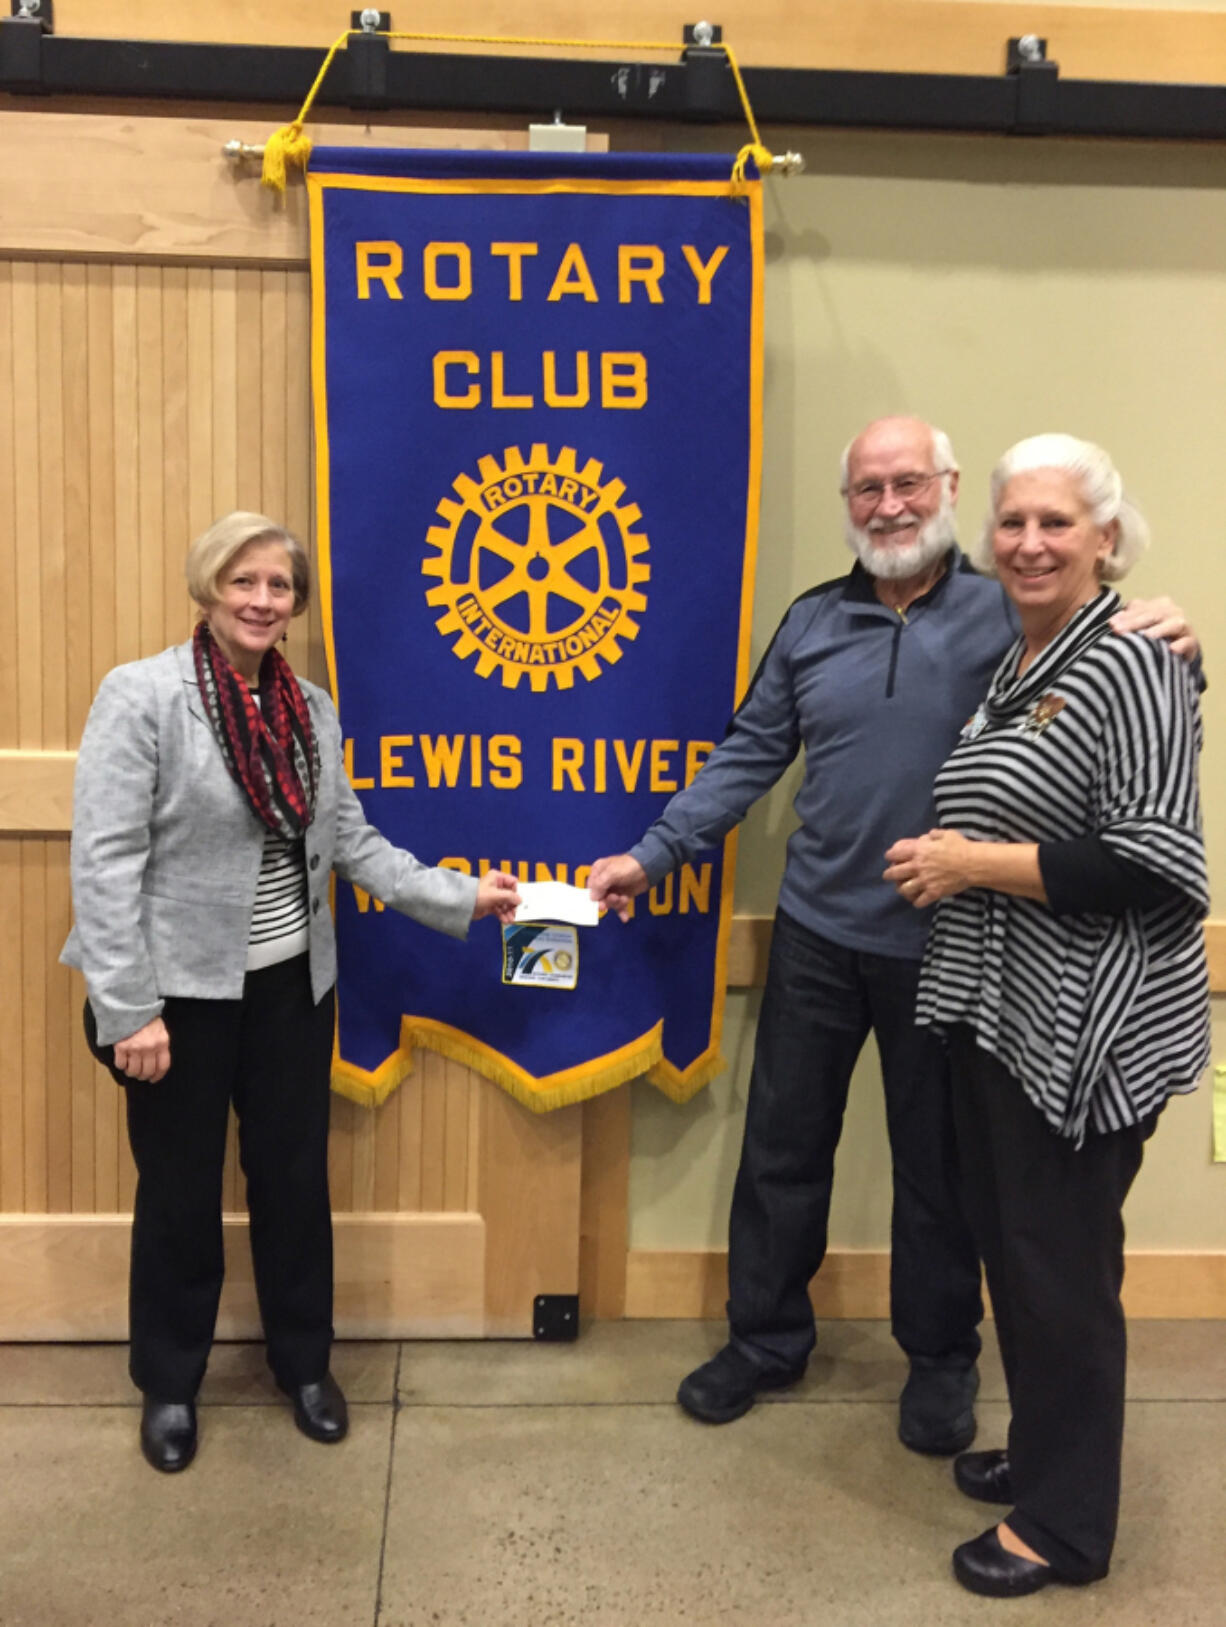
604,1206
409,1095
248,380
85,1108
109,1130
100,450
12,1022
340,1153
433,1126
153,180
78,631
422,1276
362,1133
232,1185
297,514
458,1081
10,421
387,1153
61,1040
127,459
48,541
199,399
530,1175
34,1037
151,458
26,516
223,388
274,400
175,455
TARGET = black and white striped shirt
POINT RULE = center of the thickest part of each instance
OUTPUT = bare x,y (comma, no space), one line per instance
280,921
1100,1018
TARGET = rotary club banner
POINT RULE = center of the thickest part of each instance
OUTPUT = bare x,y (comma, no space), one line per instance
537,395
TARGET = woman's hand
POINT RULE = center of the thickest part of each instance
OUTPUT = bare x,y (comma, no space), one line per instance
145,1054
497,894
615,880
931,867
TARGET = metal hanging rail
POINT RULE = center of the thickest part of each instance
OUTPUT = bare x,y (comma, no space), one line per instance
1029,97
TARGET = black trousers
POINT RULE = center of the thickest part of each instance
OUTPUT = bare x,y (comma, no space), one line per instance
270,1054
1048,1220
820,1002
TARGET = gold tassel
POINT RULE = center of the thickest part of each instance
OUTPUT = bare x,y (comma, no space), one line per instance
284,147
762,157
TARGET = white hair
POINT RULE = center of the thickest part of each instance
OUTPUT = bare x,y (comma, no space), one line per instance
942,453
1101,488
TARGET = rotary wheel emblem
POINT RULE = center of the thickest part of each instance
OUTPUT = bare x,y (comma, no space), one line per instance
538,568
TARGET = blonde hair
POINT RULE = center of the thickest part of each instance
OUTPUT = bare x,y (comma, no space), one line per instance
215,549
1101,488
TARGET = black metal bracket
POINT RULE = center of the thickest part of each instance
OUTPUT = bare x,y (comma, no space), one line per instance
1037,81
368,56
555,1317
21,54
1033,99
41,12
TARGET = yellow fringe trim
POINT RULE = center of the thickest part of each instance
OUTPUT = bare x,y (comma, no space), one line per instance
288,146
680,1086
538,1095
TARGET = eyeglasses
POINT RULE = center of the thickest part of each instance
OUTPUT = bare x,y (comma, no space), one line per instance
870,492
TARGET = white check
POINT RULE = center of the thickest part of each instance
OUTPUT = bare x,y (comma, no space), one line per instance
555,901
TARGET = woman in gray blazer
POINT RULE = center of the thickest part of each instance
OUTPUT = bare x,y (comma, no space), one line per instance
211,806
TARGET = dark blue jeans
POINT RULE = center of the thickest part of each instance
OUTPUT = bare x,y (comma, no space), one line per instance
820,1002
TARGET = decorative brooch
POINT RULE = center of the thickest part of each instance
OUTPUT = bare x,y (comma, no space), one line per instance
1044,711
975,724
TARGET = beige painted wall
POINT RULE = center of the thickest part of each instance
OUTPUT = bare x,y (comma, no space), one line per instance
997,287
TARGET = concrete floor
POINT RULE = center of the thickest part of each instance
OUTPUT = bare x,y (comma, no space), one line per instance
519,1485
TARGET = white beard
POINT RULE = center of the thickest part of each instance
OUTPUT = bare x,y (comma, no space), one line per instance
897,561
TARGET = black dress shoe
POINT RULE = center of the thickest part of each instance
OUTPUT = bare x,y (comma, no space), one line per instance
984,1565
319,1409
726,1387
984,1476
168,1434
936,1410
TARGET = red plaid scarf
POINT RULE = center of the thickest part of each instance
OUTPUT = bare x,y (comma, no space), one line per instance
270,750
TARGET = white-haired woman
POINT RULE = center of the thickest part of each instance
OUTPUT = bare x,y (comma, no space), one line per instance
1066,966
211,806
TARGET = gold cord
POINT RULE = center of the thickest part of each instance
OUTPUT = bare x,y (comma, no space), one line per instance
289,145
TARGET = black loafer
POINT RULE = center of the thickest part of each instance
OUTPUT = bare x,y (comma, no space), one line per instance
319,1409
727,1386
984,1476
936,1411
168,1434
985,1566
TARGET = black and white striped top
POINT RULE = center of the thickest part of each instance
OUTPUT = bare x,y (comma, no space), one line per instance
1100,1018
280,921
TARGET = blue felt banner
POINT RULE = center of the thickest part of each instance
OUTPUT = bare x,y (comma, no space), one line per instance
537,388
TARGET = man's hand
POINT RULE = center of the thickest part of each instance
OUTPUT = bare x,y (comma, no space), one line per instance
927,868
145,1054
497,894
615,880
1159,618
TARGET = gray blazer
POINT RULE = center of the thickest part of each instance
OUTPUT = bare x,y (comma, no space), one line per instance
166,852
